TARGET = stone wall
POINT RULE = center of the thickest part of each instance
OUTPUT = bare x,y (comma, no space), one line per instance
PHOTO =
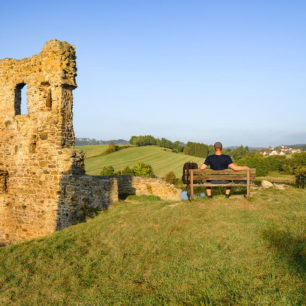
84,195
45,185
135,185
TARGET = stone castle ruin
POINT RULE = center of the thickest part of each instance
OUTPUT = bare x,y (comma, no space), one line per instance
43,186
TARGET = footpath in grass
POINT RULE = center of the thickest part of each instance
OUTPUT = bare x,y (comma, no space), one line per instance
147,251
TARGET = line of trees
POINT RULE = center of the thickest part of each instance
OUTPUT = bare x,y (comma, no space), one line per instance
191,148
196,149
148,140
295,164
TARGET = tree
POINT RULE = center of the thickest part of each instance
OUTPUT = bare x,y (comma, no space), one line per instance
132,140
196,149
276,163
256,161
111,148
296,161
239,152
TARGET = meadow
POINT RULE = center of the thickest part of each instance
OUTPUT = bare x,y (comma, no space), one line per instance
93,150
147,251
162,160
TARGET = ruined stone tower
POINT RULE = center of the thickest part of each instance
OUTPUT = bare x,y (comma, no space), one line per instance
42,181
43,187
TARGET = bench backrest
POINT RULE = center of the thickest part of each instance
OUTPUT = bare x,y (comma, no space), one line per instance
228,174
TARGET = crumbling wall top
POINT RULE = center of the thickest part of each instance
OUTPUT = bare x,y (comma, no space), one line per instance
55,64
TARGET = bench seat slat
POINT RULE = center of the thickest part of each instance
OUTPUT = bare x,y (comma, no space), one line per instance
224,185
221,177
226,171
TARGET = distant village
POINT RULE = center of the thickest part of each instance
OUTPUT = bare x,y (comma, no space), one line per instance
283,150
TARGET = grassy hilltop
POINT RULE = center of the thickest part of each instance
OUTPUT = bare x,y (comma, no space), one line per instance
162,160
145,251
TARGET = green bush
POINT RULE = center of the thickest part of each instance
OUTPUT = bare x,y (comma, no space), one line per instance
300,171
142,169
238,153
256,161
295,162
111,148
170,177
276,163
108,170
127,171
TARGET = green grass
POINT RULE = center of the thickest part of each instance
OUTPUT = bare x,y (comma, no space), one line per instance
146,251
160,159
277,177
93,150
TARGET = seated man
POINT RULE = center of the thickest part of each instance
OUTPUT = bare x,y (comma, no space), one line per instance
219,161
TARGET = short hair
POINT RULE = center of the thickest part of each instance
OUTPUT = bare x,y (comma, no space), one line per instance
218,145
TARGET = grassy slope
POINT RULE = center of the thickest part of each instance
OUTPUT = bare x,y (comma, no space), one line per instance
93,150
218,251
161,161
276,177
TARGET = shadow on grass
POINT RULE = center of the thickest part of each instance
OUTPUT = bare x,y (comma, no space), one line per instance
288,248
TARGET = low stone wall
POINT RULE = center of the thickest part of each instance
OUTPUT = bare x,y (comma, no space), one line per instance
84,195
135,185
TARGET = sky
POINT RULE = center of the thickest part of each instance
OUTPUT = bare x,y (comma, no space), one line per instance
205,71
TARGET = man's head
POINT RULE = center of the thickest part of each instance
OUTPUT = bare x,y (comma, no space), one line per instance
218,146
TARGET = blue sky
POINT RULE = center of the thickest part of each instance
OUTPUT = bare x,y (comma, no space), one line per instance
230,71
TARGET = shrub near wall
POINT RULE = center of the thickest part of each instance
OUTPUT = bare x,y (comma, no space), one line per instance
140,169
170,177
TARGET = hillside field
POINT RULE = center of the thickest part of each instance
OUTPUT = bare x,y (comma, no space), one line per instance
93,150
144,251
162,160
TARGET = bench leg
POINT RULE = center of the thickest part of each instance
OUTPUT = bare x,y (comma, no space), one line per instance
248,183
188,191
191,185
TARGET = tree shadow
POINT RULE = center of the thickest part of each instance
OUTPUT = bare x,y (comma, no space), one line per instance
289,248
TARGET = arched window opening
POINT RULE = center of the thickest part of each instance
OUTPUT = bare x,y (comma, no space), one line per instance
21,106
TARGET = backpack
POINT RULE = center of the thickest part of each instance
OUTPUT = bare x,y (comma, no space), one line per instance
186,167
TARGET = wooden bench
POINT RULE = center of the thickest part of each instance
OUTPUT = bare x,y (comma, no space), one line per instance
203,177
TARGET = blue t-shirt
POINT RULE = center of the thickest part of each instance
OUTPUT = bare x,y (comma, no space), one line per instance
218,162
